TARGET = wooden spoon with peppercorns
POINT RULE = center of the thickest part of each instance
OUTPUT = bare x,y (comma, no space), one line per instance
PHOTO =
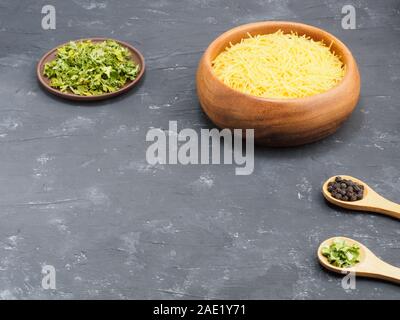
351,193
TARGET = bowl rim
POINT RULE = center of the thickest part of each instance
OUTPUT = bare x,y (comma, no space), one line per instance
351,65
103,96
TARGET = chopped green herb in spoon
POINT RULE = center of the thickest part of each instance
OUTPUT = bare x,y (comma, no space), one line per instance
91,68
341,255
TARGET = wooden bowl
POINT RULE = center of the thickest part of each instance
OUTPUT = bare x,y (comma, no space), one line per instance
278,122
136,56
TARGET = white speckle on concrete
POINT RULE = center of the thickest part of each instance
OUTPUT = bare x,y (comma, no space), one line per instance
142,167
130,241
161,226
211,20
12,242
304,189
9,124
87,24
60,225
154,107
43,159
73,125
205,181
159,12
122,130
7,295
87,163
15,60
91,4
80,258
96,196
157,107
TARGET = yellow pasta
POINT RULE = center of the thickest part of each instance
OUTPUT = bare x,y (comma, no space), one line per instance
279,65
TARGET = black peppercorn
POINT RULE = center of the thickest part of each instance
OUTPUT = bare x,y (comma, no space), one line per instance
349,193
346,190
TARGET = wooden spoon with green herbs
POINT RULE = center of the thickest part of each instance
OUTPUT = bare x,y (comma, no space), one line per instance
342,255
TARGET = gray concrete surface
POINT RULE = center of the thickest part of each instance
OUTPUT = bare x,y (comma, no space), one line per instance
77,193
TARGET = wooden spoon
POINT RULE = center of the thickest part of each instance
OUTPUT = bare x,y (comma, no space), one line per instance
369,266
371,201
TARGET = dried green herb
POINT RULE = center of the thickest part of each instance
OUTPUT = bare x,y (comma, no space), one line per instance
91,68
341,255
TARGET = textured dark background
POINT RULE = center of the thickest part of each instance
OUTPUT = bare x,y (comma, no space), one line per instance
77,193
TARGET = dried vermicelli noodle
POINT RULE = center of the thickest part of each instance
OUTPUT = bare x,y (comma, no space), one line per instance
279,65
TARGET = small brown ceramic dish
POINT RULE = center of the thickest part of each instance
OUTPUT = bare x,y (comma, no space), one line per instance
49,56
278,122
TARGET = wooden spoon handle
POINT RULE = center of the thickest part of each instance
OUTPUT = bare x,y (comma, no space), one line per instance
387,272
385,206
